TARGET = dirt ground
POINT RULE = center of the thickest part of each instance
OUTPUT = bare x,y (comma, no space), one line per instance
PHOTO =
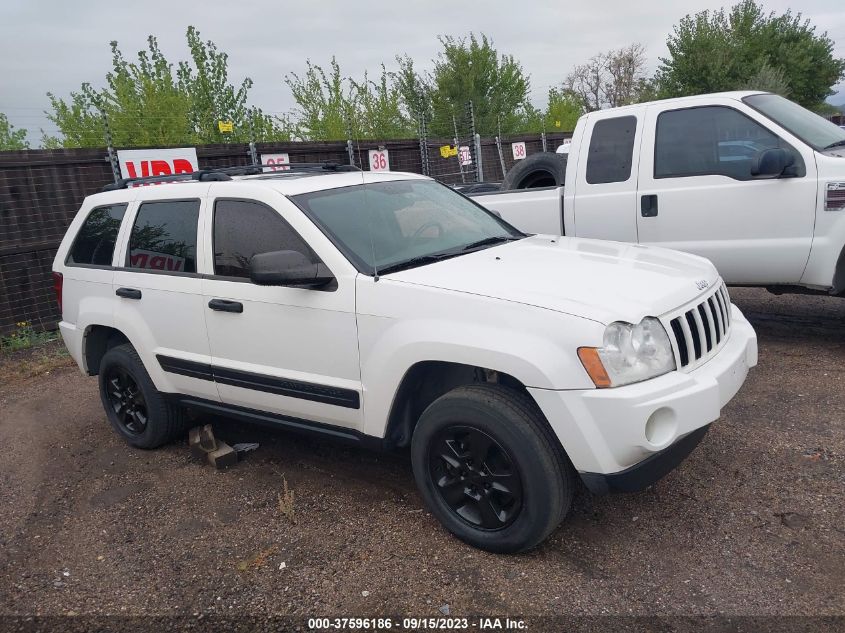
753,523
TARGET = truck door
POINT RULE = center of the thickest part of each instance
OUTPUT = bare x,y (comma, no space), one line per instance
605,189
697,194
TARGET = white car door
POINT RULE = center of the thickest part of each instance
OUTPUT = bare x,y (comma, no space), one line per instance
282,350
604,194
159,303
697,194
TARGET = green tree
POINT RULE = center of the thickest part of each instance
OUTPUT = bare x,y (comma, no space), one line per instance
563,110
745,47
10,138
471,69
379,106
414,89
146,105
332,107
326,106
205,82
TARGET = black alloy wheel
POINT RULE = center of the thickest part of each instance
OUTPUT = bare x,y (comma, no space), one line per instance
476,477
127,400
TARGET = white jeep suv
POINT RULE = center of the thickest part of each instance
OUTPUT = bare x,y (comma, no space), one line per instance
387,309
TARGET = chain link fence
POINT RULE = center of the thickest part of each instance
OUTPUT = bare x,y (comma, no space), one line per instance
41,191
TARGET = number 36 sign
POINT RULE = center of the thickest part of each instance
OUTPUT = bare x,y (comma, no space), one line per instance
379,160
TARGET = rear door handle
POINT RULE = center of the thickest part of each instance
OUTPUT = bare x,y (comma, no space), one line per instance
128,293
648,206
224,305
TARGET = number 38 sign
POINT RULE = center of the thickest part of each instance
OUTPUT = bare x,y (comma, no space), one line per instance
379,160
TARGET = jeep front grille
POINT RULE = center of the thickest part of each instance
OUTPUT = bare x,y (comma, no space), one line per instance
697,332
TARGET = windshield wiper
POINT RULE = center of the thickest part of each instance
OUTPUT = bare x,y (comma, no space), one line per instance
418,261
489,241
436,257
834,144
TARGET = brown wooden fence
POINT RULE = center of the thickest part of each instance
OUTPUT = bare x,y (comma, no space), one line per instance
41,190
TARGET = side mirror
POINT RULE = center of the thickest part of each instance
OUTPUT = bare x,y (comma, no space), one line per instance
773,163
287,268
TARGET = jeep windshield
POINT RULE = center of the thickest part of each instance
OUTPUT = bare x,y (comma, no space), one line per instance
384,227
818,133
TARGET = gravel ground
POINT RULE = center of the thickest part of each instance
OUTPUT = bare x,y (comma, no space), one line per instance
753,523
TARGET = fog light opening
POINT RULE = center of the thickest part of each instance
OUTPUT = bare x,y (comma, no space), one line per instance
660,427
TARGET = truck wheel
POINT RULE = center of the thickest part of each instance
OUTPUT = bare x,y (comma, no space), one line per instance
135,409
546,169
489,468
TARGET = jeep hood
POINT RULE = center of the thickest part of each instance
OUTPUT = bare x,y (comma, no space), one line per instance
599,280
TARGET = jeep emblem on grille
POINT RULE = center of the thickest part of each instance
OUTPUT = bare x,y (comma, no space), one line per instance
701,284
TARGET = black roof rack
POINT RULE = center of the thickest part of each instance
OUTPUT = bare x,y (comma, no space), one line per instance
226,173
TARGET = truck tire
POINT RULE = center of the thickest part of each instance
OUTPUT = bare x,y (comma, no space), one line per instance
136,410
489,468
546,169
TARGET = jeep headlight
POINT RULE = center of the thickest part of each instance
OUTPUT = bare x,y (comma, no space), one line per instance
630,353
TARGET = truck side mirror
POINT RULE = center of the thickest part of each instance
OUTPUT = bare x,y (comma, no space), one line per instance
773,163
287,268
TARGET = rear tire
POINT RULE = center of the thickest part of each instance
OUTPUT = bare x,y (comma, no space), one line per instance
136,410
486,447
546,169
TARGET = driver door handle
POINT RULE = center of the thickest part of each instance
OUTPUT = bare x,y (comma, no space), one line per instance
224,305
648,206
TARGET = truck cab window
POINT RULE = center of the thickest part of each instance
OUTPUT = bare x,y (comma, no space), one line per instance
711,140
611,150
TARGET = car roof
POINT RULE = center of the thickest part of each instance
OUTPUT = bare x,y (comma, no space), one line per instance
288,183
736,95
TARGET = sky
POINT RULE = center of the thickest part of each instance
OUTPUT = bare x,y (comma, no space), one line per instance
55,45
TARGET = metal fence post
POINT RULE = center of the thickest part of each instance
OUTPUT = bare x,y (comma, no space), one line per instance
472,138
112,155
543,138
501,156
351,151
423,133
252,153
479,165
458,149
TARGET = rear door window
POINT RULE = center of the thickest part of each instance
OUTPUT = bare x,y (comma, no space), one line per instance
611,150
164,236
94,244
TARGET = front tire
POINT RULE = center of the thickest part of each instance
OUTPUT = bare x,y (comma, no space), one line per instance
489,468
135,409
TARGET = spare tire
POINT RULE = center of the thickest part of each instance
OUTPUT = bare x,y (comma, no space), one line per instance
546,169
478,187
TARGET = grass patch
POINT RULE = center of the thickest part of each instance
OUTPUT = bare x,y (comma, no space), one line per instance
24,336
30,362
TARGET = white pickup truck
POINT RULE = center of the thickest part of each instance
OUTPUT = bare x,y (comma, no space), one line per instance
749,180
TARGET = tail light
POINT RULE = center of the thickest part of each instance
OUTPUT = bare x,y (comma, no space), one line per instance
58,282
835,196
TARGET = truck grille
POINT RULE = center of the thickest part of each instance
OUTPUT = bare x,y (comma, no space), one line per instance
699,331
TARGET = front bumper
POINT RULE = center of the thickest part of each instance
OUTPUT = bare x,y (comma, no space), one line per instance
626,438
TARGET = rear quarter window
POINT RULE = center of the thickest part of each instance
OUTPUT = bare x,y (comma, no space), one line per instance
94,244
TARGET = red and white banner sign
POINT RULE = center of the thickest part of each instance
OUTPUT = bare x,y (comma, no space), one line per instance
379,160
465,154
141,163
278,162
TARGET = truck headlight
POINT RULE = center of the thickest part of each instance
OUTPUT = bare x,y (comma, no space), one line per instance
630,353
